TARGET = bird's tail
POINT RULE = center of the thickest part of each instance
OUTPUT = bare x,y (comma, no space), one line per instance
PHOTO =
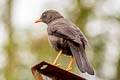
81,59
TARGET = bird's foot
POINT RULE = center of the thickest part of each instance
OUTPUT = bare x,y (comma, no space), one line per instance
58,65
69,68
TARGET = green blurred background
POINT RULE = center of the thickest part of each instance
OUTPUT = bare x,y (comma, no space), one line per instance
23,43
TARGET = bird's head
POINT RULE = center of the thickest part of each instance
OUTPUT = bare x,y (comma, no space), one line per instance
49,16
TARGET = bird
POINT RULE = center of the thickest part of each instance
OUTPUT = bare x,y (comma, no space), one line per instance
66,38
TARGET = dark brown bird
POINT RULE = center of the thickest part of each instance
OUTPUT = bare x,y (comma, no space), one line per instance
65,37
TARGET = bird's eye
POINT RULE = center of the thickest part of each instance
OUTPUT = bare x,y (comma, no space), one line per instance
44,15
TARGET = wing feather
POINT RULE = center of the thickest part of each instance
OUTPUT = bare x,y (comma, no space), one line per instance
67,30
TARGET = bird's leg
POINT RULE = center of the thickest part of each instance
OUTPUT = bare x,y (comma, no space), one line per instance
69,66
60,52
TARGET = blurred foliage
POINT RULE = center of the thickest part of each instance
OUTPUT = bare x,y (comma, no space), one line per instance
42,48
117,77
79,14
10,47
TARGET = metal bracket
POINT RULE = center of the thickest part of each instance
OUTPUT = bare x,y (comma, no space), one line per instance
46,71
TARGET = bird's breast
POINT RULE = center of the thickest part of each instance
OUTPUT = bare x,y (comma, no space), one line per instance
59,44
54,42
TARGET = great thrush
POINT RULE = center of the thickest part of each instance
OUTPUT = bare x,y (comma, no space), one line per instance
65,37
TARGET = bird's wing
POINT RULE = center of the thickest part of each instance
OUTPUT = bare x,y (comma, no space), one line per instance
68,31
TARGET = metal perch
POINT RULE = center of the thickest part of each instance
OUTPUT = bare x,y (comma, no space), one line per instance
46,71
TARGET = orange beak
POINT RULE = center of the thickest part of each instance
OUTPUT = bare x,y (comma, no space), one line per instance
39,20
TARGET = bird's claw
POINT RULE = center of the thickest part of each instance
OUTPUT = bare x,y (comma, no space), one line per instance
58,65
69,68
